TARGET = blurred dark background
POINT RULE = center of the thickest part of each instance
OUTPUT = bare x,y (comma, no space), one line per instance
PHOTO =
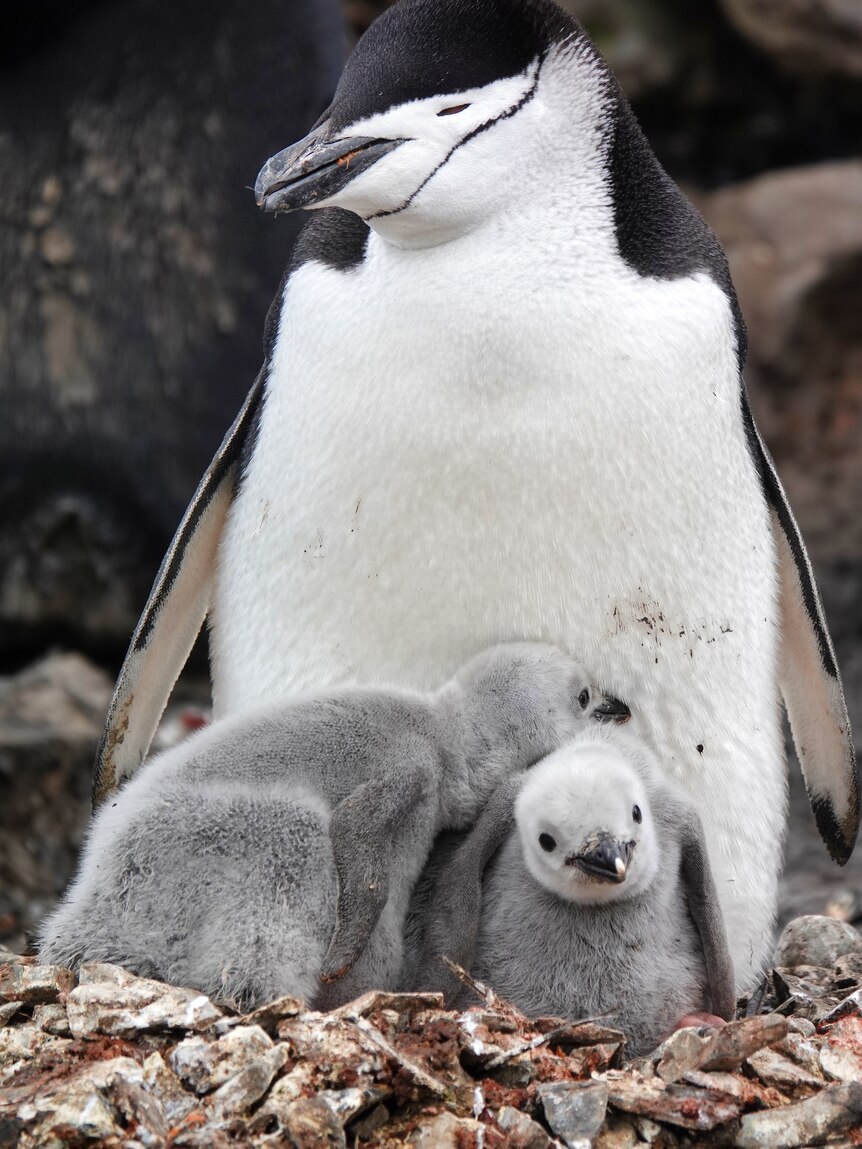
136,272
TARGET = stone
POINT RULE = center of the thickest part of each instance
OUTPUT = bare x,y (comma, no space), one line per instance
801,1050
821,36
141,1005
617,1133
332,1045
801,1025
159,1079
774,1068
302,1081
51,715
311,1124
34,983
399,1003
748,1091
365,1128
851,1004
24,1042
794,243
683,1105
814,940
205,1065
683,1051
268,1016
241,1091
730,1045
349,1103
522,1131
8,1010
574,1110
103,972
52,1019
446,1131
832,1111
95,1103
841,1052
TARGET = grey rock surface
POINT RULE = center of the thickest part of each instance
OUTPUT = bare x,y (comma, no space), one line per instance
389,1070
51,715
805,35
816,940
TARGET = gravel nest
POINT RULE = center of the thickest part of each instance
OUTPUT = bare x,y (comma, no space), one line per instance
101,1057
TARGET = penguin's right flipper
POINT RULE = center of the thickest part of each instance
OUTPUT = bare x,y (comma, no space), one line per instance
703,905
452,920
372,833
172,617
808,672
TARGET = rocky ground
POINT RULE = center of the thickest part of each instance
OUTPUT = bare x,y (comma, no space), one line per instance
127,1063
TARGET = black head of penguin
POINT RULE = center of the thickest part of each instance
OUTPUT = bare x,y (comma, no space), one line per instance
418,51
430,76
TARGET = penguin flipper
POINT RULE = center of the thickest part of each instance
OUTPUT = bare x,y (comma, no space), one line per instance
679,814
174,613
809,676
373,834
454,913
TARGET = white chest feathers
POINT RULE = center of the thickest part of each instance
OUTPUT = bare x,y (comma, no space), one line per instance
440,469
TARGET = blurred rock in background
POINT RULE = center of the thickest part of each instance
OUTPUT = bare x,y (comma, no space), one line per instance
137,274
804,35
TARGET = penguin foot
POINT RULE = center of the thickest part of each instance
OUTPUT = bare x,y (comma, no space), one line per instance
697,1020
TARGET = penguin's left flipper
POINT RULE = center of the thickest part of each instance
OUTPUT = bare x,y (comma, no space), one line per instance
173,615
452,919
681,818
809,676
374,833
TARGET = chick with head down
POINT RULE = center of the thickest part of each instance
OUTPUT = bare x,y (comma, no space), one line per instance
585,889
275,852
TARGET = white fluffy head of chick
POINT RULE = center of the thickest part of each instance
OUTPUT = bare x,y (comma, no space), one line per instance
585,822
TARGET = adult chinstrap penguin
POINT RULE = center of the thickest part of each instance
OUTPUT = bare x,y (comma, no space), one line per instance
502,398
278,849
585,888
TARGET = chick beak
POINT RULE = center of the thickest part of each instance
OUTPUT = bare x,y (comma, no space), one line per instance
612,710
605,858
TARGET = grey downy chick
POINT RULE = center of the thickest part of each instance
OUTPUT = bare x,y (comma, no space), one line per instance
218,865
585,889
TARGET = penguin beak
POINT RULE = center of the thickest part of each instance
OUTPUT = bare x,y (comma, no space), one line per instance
612,710
316,168
605,858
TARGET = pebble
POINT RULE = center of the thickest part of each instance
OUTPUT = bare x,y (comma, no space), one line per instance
205,1065
241,1091
834,1110
136,1006
522,1131
815,941
34,983
574,1110
202,1078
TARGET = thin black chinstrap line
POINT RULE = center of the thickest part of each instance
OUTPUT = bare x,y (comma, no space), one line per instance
525,99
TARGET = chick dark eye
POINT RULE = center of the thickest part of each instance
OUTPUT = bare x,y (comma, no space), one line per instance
583,699
547,843
453,111
636,814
